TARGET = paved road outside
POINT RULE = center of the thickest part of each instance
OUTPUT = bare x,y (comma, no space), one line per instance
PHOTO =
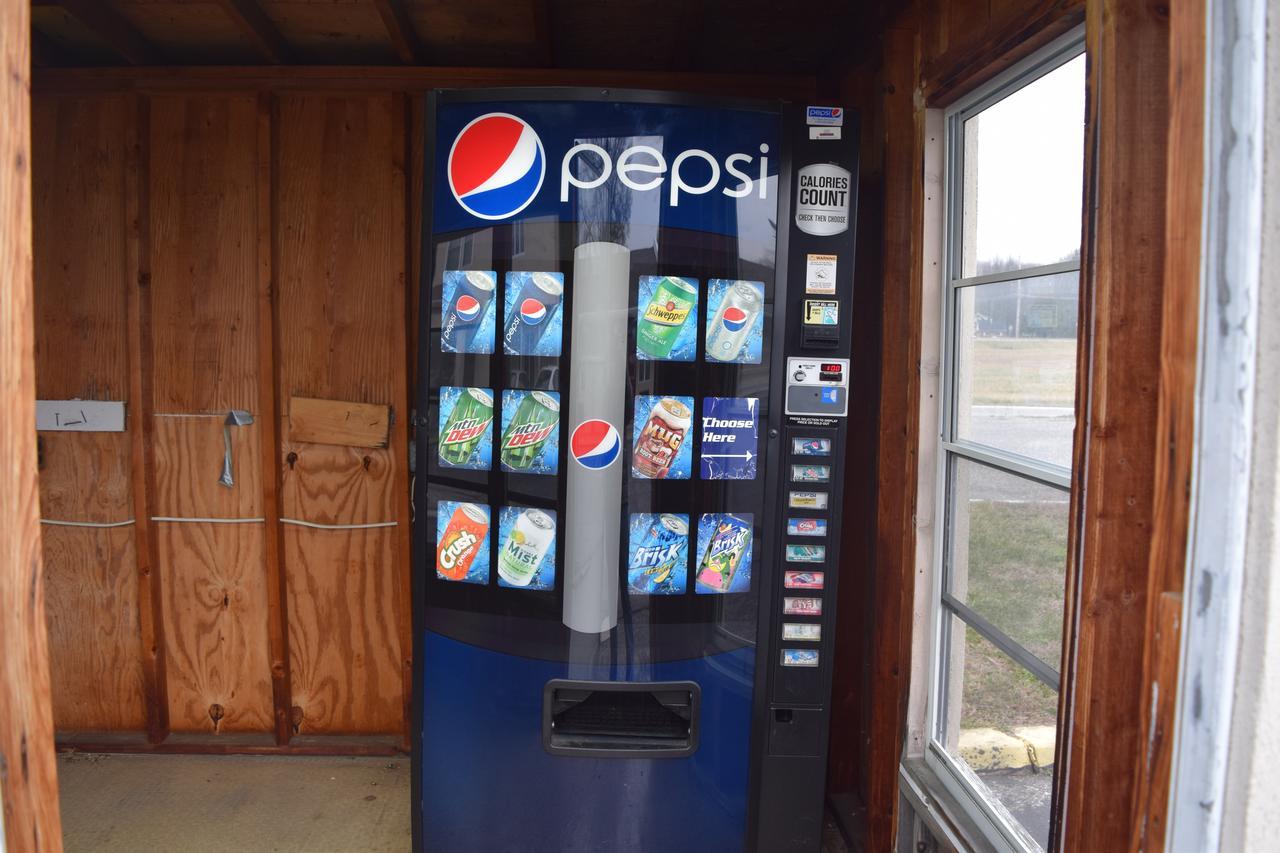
1026,794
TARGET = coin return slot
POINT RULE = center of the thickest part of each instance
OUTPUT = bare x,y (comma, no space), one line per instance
604,719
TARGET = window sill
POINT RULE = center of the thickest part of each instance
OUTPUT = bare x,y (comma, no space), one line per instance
945,816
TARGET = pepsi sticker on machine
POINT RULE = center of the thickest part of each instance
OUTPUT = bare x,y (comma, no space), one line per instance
462,532
662,448
496,166
730,427
467,312
735,321
659,553
466,428
724,553
807,500
800,657
666,318
530,442
526,548
532,320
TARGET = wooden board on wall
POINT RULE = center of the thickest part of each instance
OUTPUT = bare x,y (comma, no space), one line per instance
204,311
81,352
340,176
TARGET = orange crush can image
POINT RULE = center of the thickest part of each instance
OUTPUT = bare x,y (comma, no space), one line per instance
463,537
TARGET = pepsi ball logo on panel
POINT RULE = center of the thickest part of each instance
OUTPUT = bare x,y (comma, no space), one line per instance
496,166
595,444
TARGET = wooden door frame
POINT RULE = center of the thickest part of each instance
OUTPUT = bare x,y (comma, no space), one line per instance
28,774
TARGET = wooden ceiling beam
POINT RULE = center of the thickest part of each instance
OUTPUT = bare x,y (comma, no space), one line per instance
112,27
254,23
400,30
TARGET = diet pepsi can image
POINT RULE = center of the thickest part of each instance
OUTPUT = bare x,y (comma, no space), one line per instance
659,553
535,419
533,300
731,327
726,551
460,543
466,324
664,316
525,547
466,428
658,442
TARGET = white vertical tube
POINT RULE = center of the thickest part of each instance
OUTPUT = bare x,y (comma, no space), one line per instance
597,391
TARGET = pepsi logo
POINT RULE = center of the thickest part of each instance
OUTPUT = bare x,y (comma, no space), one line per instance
532,311
734,318
496,166
595,444
467,307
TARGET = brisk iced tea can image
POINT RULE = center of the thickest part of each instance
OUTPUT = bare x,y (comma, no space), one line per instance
530,432
724,541
466,421
461,552
466,323
659,550
527,537
734,330
661,428
531,321
663,330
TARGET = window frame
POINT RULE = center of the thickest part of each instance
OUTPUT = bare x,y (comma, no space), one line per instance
998,828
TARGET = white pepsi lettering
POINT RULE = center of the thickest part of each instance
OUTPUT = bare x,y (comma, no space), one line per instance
743,189
644,168
764,170
626,167
677,184
566,174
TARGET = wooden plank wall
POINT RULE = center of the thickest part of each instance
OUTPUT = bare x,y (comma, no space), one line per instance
261,627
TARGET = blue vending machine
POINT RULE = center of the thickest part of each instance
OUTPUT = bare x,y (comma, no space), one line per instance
633,386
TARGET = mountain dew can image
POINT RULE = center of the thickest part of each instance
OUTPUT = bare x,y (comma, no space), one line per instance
466,427
526,435
525,546
673,300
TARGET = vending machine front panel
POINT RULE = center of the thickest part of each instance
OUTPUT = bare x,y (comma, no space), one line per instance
599,469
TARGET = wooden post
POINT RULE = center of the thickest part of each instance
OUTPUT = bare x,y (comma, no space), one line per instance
28,776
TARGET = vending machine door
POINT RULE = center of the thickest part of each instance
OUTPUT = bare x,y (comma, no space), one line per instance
596,468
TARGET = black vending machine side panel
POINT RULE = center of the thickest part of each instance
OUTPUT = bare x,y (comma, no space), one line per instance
812,346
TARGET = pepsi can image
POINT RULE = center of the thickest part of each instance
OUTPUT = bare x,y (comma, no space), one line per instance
533,300
466,324
735,322
659,553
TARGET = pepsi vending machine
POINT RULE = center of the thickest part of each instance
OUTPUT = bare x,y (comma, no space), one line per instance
630,428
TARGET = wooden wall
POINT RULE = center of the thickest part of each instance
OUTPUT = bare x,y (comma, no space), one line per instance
218,239
262,242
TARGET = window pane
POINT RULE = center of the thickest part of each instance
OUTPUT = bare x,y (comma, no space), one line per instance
1023,172
1015,355
1007,544
1000,722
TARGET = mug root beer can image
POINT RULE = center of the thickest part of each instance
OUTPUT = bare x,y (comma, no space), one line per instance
661,437
461,542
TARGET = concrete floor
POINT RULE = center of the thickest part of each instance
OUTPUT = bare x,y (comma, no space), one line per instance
215,804
246,804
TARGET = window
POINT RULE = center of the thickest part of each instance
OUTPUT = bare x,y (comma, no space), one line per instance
1013,179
